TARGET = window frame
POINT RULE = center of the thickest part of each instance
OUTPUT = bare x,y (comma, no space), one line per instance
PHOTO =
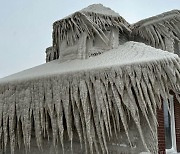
173,128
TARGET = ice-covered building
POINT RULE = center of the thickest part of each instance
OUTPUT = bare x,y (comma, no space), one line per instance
88,32
99,92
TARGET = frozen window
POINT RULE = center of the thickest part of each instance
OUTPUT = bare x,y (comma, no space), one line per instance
167,126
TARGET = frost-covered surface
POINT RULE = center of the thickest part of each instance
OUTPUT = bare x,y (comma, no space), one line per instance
95,99
161,31
100,9
126,54
93,20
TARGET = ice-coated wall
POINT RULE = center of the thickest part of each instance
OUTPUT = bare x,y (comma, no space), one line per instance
86,47
51,54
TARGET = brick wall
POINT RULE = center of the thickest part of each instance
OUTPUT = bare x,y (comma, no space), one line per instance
161,131
177,123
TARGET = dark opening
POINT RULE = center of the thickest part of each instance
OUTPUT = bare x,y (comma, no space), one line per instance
176,48
49,57
54,56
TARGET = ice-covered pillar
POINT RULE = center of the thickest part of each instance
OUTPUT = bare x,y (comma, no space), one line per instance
82,46
169,42
49,54
114,39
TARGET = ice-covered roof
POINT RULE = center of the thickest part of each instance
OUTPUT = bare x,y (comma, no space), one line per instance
169,15
96,9
100,9
124,83
131,53
160,31
93,19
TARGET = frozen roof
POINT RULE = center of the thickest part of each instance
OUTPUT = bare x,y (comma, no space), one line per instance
100,9
93,19
95,10
131,53
126,82
159,31
161,17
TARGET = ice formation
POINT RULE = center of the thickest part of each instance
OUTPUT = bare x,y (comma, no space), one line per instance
90,97
161,31
98,97
90,20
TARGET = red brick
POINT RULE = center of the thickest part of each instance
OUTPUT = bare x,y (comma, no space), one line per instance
177,122
161,131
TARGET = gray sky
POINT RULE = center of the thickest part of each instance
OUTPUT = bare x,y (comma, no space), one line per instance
26,25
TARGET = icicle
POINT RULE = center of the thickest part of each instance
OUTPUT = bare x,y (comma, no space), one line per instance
101,109
140,100
98,118
77,101
122,113
102,106
36,115
11,119
92,104
112,76
42,106
150,35
106,108
26,118
109,104
86,110
5,117
59,111
67,109
146,96
77,119
135,117
1,117
53,113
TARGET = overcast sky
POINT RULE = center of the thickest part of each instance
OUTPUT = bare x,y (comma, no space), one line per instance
26,25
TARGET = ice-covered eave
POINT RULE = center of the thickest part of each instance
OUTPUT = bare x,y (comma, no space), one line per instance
115,86
130,53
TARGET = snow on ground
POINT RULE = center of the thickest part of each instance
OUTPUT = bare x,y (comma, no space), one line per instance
129,53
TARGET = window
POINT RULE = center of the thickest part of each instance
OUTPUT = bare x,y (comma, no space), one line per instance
169,126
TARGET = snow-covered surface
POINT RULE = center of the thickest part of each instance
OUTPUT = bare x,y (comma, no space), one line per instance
161,31
99,8
96,8
130,53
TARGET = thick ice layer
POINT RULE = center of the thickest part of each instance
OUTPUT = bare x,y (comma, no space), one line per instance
99,8
161,31
94,99
129,53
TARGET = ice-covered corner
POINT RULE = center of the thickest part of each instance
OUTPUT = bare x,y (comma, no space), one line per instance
101,90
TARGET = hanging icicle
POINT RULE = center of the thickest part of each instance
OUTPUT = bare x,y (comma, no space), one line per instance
95,104
160,31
